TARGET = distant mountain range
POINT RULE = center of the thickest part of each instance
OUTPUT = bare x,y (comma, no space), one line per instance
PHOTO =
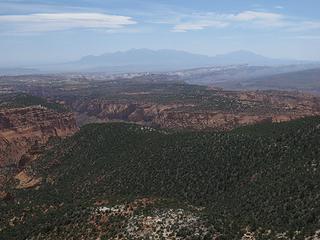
161,60
146,60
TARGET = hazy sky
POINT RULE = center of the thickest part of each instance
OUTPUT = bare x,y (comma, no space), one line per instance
47,31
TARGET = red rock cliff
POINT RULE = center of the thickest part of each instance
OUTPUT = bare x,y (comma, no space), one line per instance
22,128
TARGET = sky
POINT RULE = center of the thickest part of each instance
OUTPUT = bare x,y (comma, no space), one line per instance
52,31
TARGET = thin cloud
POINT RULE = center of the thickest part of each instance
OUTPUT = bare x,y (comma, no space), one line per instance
245,19
259,19
213,20
47,22
198,26
305,25
254,16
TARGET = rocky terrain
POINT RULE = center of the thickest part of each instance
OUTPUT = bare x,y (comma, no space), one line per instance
24,131
163,100
241,108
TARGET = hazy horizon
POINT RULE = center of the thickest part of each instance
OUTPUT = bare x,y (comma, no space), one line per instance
51,31
38,64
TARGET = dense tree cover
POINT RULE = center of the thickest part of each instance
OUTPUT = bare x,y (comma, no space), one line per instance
263,177
25,100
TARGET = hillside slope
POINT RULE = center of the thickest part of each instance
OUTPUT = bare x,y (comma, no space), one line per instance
258,181
305,80
26,125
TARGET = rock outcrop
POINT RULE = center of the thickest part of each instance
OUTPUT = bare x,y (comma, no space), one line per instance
26,181
26,129
253,107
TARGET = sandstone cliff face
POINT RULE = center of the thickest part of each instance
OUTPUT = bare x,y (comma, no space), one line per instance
22,129
218,120
98,110
258,107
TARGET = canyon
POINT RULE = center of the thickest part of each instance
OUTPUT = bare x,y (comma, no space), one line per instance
246,108
186,153
28,122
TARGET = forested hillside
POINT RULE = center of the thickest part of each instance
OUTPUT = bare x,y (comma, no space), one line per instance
20,100
260,181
